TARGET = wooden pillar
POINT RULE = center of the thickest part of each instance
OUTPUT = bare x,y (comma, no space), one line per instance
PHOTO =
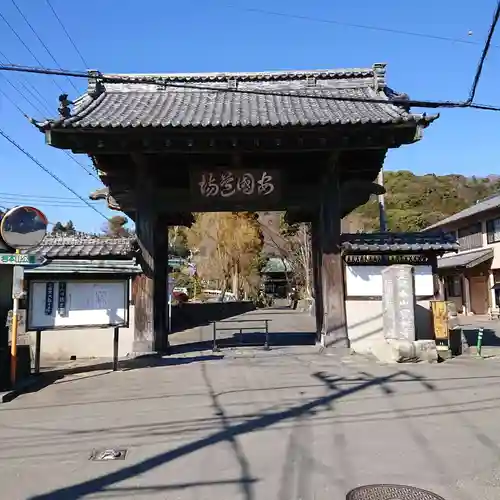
151,309
317,286
334,325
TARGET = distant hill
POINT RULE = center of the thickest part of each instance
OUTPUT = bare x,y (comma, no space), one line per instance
414,202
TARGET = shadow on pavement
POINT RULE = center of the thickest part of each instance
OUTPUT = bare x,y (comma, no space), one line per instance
64,375
248,339
490,337
230,432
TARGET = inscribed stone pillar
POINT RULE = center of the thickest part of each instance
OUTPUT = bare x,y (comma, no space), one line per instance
398,302
492,294
467,305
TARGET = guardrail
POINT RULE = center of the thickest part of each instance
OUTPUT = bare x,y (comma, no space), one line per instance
239,330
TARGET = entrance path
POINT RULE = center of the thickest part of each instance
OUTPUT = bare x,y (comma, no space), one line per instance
273,426
285,326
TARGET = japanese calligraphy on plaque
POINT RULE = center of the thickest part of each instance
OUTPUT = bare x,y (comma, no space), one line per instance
235,184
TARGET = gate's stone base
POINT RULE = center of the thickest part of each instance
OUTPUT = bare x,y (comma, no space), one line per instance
405,351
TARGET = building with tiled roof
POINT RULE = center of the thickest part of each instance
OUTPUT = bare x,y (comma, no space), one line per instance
86,254
471,277
294,141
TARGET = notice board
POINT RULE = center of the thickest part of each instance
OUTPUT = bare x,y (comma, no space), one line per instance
55,305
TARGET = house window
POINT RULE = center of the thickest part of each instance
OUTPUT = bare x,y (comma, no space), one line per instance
454,286
493,230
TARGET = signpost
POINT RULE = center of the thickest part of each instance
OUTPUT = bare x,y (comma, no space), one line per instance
17,259
20,228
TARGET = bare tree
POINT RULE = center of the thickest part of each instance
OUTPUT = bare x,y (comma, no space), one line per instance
228,246
298,238
115,227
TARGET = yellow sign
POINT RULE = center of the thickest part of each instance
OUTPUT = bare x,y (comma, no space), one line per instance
440,319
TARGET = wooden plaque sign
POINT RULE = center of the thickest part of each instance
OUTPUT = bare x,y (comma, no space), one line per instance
440,319
235,184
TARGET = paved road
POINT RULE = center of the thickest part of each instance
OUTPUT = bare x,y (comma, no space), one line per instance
285,327
287,424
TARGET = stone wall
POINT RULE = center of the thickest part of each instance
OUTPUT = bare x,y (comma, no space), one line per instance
191,315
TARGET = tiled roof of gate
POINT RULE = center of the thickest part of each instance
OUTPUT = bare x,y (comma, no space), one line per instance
220,100
398,242
59,247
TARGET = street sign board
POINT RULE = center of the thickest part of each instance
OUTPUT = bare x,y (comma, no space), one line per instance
18,259
23,227
18,282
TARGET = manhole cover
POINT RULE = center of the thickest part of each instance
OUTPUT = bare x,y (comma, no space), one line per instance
109,454
391,492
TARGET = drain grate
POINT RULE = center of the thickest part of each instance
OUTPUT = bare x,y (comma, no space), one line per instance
108,454
391,492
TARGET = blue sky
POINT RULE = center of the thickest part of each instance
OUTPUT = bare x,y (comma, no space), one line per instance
154,36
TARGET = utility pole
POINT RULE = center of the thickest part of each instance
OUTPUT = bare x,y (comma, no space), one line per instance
381,203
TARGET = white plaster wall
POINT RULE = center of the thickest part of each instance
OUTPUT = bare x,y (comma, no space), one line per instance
496,255
84,343
366,326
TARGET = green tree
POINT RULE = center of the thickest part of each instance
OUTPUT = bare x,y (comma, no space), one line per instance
67,229
414,202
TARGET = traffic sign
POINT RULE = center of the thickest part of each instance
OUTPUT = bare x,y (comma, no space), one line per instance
18,259
23,227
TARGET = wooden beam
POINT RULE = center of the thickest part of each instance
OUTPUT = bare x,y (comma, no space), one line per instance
151,307
151,228
327,138
334,327
317,282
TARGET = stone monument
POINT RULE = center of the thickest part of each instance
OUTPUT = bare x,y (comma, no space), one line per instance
398,311
398,302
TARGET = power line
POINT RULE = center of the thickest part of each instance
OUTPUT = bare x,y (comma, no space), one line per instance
44,200
394,31
44,45
26,47
40,199
21,94
46,170
81,165
484,53
13,103
67,34
42,196
43,204
33,91
72,158
161,81
16,201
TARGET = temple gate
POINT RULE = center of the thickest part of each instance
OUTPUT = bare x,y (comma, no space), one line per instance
169,145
